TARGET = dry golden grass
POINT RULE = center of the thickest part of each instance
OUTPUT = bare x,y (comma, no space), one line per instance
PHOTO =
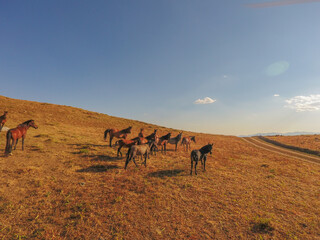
68,184
311,142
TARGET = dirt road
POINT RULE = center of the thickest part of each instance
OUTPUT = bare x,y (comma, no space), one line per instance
283,151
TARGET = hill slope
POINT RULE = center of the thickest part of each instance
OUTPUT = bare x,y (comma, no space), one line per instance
68,184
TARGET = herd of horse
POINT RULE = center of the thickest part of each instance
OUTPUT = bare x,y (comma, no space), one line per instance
145,145
139,146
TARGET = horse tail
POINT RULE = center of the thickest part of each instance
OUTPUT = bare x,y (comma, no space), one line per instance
8,146
106,133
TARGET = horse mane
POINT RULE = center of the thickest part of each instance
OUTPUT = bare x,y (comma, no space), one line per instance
26,122
127,130
166,137
179,136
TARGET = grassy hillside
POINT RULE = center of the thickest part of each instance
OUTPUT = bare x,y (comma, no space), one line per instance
68,184
311,142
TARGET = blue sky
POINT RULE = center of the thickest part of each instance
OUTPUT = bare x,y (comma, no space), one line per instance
224,67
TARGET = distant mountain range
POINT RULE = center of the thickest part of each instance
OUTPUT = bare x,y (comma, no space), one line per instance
283,134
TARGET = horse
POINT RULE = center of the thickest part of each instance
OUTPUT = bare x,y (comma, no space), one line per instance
200,154
19,132
116,133
139,150
3,119
124,143
129,142
186,142
141,133
163,142
153,136
175,140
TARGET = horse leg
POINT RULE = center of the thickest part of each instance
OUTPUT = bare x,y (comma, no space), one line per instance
129,156
204,163
15,146
119,151
145,159
133,159
11,145
191,166
195,167
22,141
111,137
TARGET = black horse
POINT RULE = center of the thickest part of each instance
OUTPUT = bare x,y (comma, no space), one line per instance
175,140
200,154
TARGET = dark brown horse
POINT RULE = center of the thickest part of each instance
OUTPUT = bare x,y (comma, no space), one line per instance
163,141
141,133
153,136
3,119
116,133
186,142
175,140
200,154
14,134
125,143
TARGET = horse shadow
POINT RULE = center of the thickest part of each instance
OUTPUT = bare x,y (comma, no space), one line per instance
81,145
98,168
166,173
102,157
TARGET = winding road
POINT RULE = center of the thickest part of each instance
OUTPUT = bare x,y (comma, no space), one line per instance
282,151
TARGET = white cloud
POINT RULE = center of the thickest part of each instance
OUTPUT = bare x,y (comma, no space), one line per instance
276,95
206,100
304,103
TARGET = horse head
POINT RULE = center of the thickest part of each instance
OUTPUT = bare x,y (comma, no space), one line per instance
193,138
32,124
210,145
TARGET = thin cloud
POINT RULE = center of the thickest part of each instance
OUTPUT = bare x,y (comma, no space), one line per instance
206,100
304,103
276,95
279,3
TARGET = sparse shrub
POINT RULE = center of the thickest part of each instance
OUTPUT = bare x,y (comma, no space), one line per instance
84,151
262,225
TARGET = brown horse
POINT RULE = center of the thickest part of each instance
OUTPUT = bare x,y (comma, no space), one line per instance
19,132
3,119
186,142
125,143
163,141
116,133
